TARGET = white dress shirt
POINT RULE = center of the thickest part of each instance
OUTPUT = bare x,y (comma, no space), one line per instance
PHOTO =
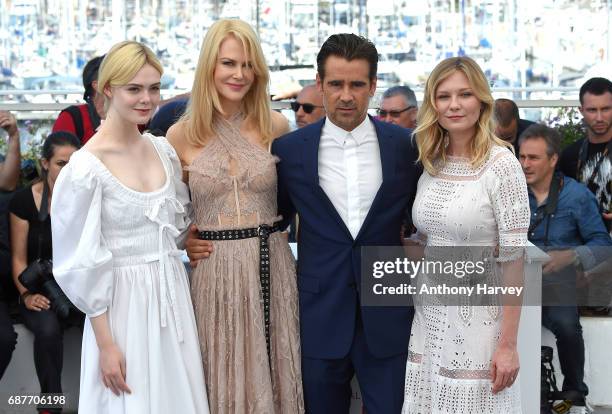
350,170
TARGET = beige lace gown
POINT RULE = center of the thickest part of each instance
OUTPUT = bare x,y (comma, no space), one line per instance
233,186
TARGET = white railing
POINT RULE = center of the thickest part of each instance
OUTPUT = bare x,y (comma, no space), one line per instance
48,110
58,106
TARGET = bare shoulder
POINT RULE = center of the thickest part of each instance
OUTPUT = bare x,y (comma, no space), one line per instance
176,138
185,150
280,125
176,135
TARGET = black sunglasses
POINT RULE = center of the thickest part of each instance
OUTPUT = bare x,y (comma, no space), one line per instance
308,107
394,114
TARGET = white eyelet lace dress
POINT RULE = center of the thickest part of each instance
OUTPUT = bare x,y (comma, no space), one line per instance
451,347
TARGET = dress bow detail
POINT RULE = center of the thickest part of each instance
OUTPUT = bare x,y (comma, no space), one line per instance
163,213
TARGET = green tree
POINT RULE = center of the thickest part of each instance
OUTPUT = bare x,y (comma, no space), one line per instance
568,121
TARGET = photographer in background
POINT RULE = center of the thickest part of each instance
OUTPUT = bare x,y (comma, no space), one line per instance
567,224
31,256
9,175
84,119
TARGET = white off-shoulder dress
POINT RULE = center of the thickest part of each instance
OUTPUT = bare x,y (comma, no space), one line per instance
115,251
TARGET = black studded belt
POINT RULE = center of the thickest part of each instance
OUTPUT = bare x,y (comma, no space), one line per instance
263,233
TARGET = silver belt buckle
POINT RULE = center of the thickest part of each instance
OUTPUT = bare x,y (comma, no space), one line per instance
263,230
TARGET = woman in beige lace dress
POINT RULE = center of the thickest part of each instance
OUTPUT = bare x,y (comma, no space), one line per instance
245,293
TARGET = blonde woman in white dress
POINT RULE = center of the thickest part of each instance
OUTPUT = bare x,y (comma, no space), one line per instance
464,359
118,209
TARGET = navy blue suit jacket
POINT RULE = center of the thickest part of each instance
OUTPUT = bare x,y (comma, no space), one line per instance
329,262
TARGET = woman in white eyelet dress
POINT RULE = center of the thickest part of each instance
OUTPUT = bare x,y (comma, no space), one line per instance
116,257
453,349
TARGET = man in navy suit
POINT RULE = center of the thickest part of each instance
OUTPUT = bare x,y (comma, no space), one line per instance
351,179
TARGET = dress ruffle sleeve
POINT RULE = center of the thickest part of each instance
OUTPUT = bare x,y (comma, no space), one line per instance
82,264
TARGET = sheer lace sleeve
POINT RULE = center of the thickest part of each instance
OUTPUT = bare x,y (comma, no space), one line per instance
508,194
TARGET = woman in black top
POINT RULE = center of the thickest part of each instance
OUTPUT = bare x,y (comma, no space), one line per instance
31,240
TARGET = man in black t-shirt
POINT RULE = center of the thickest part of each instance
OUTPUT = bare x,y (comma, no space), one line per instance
589,160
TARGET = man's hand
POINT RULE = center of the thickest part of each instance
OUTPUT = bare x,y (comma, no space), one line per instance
607,216
197,249
287,91
10,167
8,122
559,259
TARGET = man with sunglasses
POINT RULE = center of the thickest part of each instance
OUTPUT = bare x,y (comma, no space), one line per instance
399,107
308,106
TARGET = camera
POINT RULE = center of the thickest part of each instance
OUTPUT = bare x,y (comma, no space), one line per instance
38,278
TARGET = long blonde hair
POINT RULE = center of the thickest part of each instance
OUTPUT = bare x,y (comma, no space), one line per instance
431,137
205,104
121,64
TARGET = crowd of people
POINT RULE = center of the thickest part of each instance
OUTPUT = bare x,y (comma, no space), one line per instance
125,187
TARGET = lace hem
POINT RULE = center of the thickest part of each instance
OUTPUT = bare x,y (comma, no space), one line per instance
443,395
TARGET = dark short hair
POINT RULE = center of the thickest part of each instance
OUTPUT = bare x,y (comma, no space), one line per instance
401,90
166,116
58,139
550,135
595,86
505,111
90,74
350,47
